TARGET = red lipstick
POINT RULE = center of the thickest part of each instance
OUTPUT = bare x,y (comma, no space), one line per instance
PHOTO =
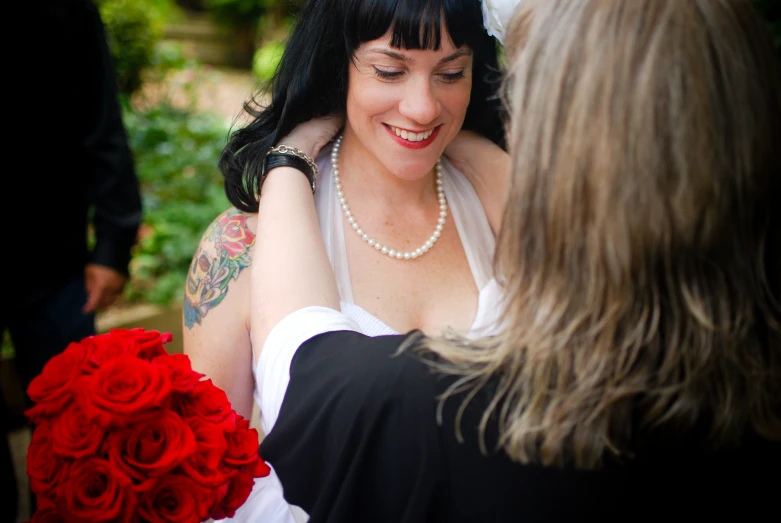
414,145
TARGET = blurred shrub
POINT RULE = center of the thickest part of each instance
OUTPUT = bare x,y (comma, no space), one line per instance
176,150
266,59
133,27
238,12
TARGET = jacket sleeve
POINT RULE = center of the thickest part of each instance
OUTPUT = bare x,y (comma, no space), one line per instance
356,439
114,188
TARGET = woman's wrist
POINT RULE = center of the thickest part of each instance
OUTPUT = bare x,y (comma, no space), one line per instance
304,144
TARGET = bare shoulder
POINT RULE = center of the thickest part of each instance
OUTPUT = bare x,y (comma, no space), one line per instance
223,253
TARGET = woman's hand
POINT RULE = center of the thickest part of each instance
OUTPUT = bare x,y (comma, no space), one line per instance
311,136
487,167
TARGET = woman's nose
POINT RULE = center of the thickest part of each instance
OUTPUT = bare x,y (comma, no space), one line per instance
420,103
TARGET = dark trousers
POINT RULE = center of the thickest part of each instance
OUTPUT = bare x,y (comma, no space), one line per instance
41,326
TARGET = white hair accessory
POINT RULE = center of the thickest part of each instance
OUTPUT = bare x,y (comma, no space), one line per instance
497,15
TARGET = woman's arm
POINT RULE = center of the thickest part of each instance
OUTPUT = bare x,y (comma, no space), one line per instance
487,167
291,269
215,329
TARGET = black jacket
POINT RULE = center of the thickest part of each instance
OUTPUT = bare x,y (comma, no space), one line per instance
75,165
357,440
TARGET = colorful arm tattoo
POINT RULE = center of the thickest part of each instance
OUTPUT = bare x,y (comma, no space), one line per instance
223,253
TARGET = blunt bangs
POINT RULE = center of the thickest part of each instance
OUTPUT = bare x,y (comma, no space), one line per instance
415,24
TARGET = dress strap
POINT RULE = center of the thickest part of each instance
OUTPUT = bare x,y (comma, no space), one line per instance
475,232
329,215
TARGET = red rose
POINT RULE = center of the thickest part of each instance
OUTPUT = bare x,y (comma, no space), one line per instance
152,448
53,388
43,502
45,468
46,515
176,498
204,465
261,469
149,343
104,348
74,435
235,236
125,390
126,432
183,377
210,403
96,492
238,492
242,445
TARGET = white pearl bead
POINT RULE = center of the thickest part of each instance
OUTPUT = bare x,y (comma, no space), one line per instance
399,256
350,219
414,254
349,214
359,231
377,245
436,234
407,256
371,242
439,228
342,200
344,207
425,248
442,215
384,250
418,252
392,253
355,226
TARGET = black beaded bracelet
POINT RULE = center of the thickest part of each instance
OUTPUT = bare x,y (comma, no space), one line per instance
274,160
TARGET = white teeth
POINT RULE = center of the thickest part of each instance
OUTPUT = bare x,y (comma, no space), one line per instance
410,136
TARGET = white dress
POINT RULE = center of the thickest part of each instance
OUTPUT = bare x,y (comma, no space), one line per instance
266,503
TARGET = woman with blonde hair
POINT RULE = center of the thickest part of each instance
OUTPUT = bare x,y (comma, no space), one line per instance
636,369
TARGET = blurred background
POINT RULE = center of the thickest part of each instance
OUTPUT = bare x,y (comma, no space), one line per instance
184,68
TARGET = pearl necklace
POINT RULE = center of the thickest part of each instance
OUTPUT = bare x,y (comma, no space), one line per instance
393,253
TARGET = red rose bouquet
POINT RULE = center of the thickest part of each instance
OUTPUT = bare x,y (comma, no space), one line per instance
126,432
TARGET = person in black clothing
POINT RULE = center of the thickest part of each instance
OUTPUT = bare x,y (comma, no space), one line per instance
80,173
635,373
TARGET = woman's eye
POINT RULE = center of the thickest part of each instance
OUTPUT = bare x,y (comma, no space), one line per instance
453,77
387,75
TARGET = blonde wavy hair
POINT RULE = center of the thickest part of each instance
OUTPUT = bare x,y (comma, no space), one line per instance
640,246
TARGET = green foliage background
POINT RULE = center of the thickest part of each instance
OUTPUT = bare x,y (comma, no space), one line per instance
175,146
133,28
176,154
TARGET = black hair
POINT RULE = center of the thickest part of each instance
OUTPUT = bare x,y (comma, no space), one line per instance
311,78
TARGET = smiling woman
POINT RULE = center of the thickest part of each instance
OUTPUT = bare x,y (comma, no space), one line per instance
418,98
413,248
